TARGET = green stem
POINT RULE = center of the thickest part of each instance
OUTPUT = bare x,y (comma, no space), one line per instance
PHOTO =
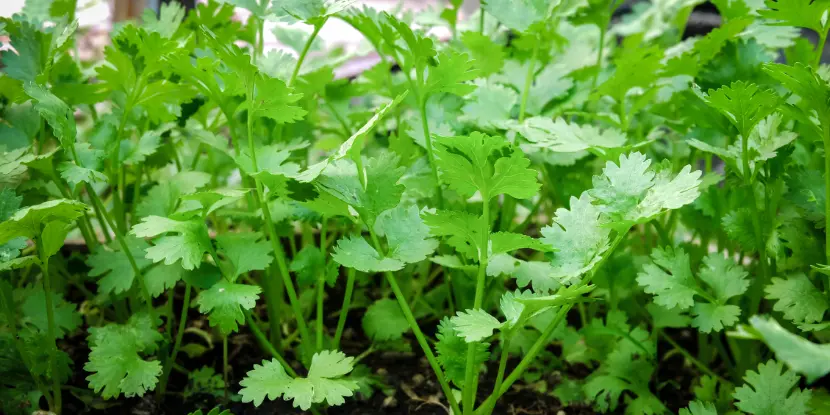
321,282
542,341
51,332
826,137
471,372
344,309
602,32
700,365
263,341
225,366
297,67
416,330
531,69
124,248
757,292
481,21
430,153
822,39
168,365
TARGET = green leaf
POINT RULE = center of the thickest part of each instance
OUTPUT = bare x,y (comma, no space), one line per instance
75,174
797,298
59,116
189,245
710,317
451,350
354,252
266,380
501,242
699,408
770,392
66,317
636,67
273,99
669,278
115,358
463,229
28,222
382,190
324,382
485,163
225,301
245,252
168,21
114,268
488,56
562,137
724,276
406,234
518,15
490,106
384,321
743,104
160,278
801,355
475,324
808,14
578,239
632,192
451,74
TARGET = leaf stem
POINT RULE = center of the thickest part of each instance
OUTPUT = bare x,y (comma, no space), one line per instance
416,330
822,39
603,30
422,107
700,365
263,341
225,366
531,69
757,292
321,282
471,371
344,309
51,332
168,365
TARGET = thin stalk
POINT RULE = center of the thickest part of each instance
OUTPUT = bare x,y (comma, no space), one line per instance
755,299
263,341
344,309
826,136
531,69
321,282
602,32
124,248
471,370
83,224
279,253
50,320
700,365
299,64
416,330
168,365
430,153
44,390
225,366
542,341
822,39
481,21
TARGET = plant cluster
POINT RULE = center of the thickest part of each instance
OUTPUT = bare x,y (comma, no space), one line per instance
545,188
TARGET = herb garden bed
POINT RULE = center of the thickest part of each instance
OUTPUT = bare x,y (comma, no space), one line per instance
550,211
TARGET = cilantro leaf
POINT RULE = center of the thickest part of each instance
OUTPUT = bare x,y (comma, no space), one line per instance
189,245
66,317
224,302
669,278
354,252
451,73
384,321
488,56
406,234
800,354
168,21
245,252
59,116
324,383
113,266
382,191
475,324
490,106
562,137
743,104
768,392
699,408
464,230
797,298
451,349
274,100
115,358
517,15
28,222
800,13
577,239
476,162
161,277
